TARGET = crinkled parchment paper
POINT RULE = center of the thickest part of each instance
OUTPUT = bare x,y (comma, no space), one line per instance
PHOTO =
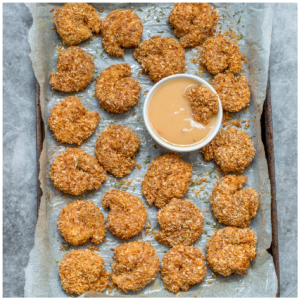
254,22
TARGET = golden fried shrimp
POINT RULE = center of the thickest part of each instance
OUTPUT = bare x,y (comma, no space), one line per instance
181,223
127,216
168,177
76,22
231,250
122,28
230,204
80,221
116,91
204,103
160,57
182,267
232,150
83,271
116,148
233,91
220,53
135,265
192,22
75,171
71,122
74,71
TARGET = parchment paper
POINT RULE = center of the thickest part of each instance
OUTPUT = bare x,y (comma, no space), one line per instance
254,22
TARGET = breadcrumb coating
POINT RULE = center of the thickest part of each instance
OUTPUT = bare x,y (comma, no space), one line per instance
127,216
168,177
80,221
220,53
71,122
181,223
204,103
76,22
192,22
231,250
160,57
232,150
116,91
135,265
233,91
83,271
116,148
182,267
122,28
74,71
230,204
75,171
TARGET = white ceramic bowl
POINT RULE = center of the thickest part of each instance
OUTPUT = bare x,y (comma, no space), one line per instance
161,141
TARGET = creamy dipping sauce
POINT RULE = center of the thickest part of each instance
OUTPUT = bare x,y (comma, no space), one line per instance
170,115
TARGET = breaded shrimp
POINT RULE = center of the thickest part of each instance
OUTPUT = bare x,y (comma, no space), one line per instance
220,54
230,204
135,265
116,148
160,57
74,71
182,267
76,22
233,91
82,271
181,223
75,171
115,90
80,221
168,177
127,216
71,122
232,150
231,250
192,22
122,28
204,103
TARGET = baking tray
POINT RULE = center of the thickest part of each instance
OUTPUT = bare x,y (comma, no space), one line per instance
267,139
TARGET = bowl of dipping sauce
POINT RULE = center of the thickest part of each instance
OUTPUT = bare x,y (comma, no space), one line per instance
169,119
